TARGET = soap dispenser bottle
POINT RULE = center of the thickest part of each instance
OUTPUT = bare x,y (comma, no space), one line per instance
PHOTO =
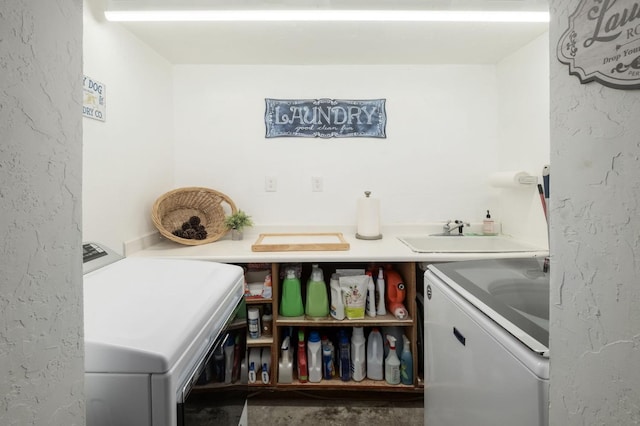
488,226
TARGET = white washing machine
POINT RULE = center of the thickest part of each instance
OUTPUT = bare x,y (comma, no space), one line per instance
486,343
151,327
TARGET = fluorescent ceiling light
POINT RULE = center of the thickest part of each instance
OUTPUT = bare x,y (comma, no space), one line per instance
326,15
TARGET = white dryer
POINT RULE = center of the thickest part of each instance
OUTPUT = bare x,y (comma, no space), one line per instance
151,326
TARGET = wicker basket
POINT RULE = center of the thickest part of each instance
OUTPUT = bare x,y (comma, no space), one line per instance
175,207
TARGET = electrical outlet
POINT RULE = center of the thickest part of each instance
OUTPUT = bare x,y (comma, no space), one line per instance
316,184
270,184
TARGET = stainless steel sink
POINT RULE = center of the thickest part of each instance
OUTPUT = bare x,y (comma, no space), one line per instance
466,244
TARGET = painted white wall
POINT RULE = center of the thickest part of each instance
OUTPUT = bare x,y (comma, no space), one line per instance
440,148
523,134
595,245
41,337
127,159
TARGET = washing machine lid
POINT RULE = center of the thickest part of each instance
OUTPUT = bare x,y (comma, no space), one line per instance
141,315
512,292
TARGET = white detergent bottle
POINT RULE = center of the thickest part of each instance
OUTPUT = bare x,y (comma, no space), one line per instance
314,357
375,355
392,363
406,363
380,293
337,304
371,297
358,358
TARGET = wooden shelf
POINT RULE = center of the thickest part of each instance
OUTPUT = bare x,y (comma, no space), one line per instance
260,341
257,300
336,383
380,321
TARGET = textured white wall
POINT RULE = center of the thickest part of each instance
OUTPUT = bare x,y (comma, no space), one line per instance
595,246
41,343
128,159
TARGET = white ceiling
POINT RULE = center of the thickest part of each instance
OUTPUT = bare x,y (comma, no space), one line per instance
333,43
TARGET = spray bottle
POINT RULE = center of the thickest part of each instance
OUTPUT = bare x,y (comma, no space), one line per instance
392,363
303,372
406,363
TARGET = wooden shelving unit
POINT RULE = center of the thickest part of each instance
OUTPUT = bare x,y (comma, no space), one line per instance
408,272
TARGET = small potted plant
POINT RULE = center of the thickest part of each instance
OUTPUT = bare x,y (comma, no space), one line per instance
236,222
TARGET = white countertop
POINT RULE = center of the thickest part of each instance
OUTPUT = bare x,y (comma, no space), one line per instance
389,248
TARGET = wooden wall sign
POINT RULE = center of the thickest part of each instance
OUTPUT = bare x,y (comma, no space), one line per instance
325,118
602,43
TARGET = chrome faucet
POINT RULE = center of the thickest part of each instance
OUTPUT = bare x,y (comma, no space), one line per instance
452,226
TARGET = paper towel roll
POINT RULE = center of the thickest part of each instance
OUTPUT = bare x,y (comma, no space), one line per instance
368,219
517,179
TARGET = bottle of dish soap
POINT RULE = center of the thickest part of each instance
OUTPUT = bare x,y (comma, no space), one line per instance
406,363
488,226
392,363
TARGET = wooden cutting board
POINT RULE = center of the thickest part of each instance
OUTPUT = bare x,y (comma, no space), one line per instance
323,241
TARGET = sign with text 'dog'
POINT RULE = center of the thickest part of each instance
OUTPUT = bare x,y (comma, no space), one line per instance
325,118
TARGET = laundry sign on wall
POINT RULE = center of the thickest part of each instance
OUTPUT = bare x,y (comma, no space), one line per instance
602,43
325,118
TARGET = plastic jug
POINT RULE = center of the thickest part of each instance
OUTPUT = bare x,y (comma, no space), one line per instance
395,294
358,358
375,355
317,301
291,302
265,361
285,365
314,357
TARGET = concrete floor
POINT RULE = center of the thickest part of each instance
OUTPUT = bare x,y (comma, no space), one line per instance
294,408
326,409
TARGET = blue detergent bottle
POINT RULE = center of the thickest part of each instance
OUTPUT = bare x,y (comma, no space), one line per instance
345,357
406,363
